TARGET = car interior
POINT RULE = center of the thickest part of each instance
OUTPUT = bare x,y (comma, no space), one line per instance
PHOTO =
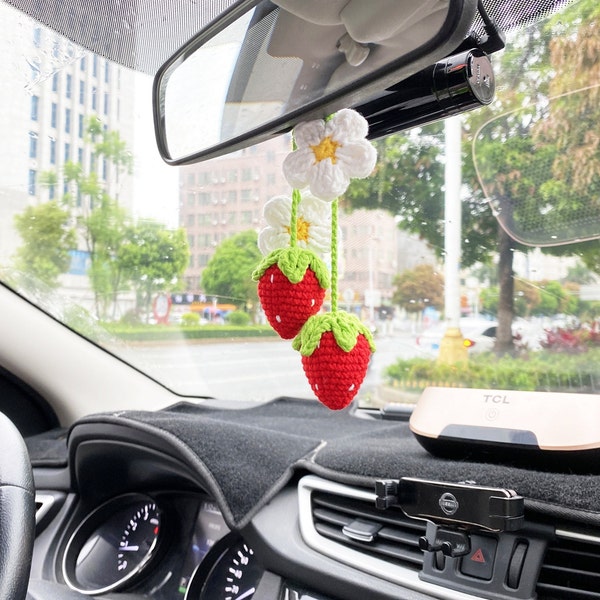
119,480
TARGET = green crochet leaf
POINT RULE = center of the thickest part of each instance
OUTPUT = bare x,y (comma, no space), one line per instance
293,263
344,326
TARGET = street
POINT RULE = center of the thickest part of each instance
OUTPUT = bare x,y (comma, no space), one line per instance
255,371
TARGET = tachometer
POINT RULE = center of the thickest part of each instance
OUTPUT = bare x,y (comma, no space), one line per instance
113,545
230,571
139,538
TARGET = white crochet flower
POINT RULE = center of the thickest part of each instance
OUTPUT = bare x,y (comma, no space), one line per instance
313,225
330,153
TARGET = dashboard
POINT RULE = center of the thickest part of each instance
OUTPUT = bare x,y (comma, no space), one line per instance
133,511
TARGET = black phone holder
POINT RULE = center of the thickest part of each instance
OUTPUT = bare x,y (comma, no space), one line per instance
453,508
476,540
462,504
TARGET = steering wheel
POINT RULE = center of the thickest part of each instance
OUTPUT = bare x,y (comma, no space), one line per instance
17,513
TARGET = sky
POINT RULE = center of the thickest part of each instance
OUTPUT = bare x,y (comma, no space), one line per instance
156,193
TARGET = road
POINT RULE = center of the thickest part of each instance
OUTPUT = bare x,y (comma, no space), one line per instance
254,371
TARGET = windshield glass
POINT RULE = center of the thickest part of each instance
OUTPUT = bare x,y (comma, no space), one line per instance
154,263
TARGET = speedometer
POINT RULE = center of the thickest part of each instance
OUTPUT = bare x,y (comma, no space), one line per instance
113,545
230,571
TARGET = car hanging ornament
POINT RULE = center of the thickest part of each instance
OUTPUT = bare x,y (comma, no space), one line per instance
292,280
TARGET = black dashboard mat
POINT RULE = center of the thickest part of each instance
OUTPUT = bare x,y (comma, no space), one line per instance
250,454
246,455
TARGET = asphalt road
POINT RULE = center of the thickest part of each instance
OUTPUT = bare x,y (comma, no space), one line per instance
250,371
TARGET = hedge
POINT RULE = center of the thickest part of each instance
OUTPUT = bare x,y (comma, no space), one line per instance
147,333
539,371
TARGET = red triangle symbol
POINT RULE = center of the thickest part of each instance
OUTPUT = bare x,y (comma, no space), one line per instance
478,556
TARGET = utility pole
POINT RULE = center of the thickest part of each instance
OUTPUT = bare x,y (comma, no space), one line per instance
452,348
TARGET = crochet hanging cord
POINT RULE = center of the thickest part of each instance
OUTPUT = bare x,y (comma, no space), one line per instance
292,280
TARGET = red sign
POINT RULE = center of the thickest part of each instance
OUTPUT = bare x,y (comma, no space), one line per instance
161,308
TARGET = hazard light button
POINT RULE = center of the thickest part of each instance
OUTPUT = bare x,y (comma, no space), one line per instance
480,561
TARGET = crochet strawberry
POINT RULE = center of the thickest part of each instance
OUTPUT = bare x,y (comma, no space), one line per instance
336,349
291,288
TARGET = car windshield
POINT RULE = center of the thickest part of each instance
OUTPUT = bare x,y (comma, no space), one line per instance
154,263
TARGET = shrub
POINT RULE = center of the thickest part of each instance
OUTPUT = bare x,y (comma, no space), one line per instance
238,317
190,319
538,371
131,317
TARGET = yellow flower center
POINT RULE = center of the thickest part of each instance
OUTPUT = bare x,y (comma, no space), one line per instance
302,228
325,149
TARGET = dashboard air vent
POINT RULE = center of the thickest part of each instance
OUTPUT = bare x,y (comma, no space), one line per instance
356,523
570,569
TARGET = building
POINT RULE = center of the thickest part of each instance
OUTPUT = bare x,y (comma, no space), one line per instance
46,126
226,195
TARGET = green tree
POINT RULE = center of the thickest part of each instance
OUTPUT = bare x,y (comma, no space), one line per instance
539,160
106,226
553,298
100,221
228,273
418,288
47,239
526,298
153,259
408,182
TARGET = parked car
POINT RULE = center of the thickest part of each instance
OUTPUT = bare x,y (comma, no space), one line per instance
479,335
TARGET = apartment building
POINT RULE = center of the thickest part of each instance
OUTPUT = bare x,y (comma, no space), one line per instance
65,86
225,196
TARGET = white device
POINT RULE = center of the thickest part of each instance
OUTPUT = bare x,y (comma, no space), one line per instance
546,430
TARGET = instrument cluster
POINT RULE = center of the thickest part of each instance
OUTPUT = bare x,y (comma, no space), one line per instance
167,545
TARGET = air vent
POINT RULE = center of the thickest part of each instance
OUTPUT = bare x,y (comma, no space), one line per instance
570,569
388,535
341,522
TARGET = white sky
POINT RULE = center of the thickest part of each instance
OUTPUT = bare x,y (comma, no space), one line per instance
156,186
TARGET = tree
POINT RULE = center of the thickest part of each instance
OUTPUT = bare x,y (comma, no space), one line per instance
106,227
47,240
153,258
418,288
228,273
541,157
504,157
100,221
553,298
408,182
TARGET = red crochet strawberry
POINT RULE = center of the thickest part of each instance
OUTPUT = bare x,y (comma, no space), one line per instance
291,288
336,349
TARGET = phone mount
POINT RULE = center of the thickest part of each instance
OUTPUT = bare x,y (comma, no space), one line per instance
476,539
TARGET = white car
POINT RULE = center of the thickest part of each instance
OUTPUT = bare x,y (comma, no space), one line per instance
479,336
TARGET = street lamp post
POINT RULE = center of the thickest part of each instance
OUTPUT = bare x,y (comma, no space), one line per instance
452,348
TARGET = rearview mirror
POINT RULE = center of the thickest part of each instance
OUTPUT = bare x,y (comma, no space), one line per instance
266,65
